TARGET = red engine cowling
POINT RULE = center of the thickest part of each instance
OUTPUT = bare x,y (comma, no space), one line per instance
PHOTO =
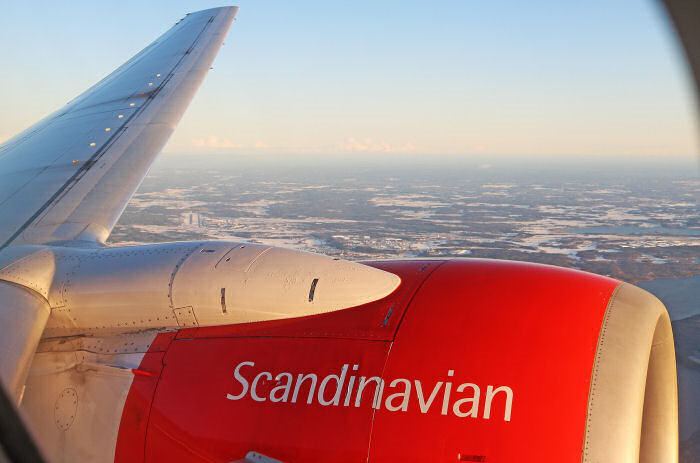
468,360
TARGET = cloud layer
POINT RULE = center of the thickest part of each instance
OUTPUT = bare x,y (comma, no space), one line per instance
216,142
370,145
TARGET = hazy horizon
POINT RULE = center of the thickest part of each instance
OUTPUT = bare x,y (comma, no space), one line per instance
450,78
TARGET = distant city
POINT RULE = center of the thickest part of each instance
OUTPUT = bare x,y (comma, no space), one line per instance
640,224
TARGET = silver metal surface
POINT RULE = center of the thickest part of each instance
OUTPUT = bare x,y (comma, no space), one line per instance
70,176
103,291
23,316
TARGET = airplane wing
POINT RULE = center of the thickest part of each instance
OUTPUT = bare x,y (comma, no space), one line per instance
70,176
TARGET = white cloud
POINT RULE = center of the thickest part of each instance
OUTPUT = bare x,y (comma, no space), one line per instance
215,142
369,145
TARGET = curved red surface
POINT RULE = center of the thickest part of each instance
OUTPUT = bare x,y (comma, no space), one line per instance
530,328
134,423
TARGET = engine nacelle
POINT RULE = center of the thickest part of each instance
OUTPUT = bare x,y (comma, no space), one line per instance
469,360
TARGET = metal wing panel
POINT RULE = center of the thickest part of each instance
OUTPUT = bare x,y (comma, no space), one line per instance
70,176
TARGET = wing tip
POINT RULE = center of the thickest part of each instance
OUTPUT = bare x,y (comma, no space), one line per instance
230,9
228,13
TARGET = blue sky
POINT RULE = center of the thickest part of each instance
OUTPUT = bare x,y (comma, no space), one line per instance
559,78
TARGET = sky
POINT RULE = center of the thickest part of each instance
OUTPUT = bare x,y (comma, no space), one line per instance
461,78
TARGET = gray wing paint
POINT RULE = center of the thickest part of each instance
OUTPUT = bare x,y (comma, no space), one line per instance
70,176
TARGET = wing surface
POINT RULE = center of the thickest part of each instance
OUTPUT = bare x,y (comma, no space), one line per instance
70,176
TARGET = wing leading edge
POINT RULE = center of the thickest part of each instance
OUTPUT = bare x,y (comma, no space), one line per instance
70,176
